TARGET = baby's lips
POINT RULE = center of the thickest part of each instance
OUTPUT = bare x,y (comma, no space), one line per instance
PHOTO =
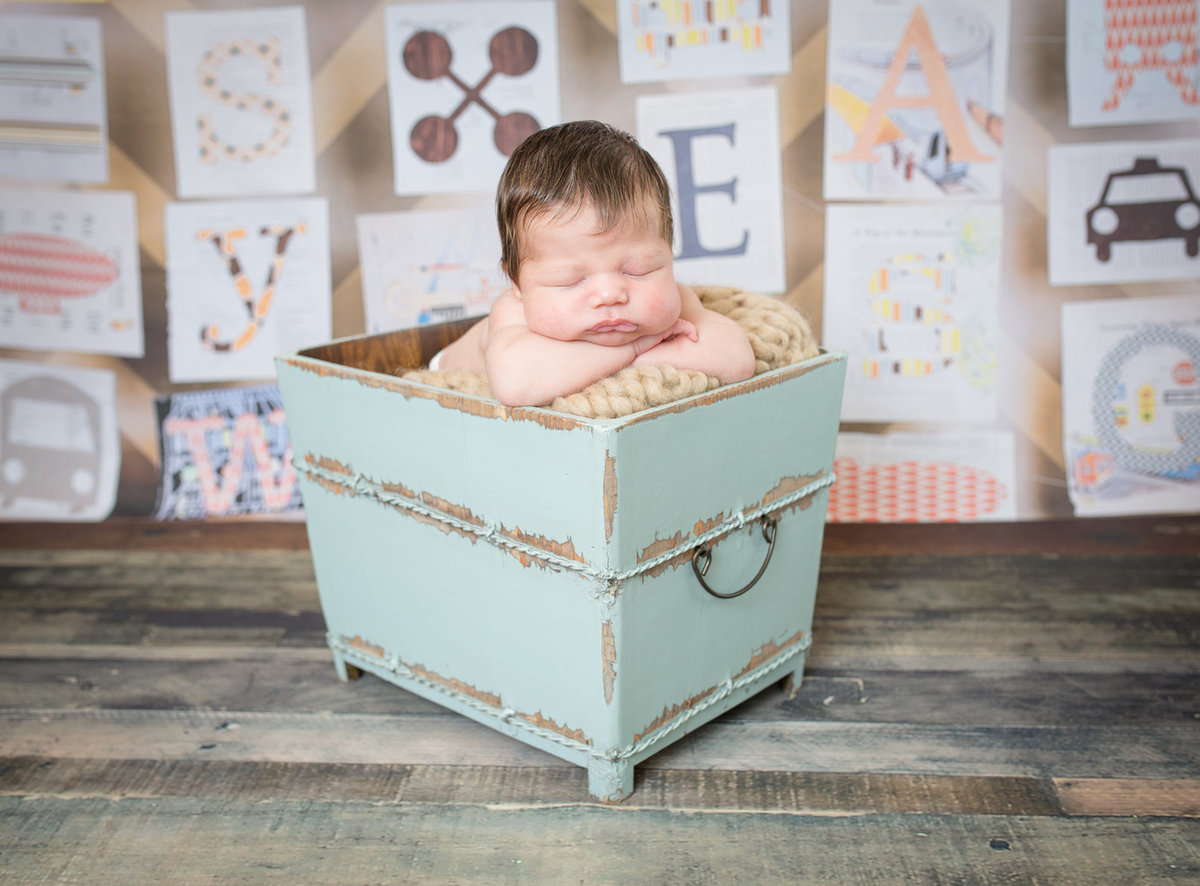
614,326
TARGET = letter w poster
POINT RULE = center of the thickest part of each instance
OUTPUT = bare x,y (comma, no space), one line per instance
225,452
914,106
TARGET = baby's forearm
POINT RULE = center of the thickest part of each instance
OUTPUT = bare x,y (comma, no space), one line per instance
533,370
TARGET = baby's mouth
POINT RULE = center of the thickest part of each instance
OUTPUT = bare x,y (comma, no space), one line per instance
614,326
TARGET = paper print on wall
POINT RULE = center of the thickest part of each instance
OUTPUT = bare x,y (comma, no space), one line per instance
915,99
720,153
60,449
241,103
1124,211
246,280
70,272
1131,405
53,109
467,83
680,39
906,477
428,267
1132,61
225,453
911,295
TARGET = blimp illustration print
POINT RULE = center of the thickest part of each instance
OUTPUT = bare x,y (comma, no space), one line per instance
69,272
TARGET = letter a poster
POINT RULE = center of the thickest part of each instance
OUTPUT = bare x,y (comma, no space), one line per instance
914,106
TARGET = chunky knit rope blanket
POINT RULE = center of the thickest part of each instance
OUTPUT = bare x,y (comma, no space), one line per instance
778,333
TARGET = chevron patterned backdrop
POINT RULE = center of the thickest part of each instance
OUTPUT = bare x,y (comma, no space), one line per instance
354,172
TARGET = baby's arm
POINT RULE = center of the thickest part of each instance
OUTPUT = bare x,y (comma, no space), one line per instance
528,369
720,347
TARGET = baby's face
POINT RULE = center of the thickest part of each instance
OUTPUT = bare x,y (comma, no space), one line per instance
609,288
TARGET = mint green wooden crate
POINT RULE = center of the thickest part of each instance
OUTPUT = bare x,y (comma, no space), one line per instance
537,571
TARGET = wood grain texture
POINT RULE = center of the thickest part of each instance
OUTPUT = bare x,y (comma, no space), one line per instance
977,708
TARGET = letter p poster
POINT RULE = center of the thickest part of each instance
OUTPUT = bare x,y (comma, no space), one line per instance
914,106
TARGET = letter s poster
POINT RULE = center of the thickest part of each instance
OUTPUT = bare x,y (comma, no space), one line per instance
241,102
914,105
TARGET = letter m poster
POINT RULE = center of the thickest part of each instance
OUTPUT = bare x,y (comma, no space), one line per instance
914,105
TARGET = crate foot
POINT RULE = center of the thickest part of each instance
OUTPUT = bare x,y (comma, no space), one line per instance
791,682
610,781
346,672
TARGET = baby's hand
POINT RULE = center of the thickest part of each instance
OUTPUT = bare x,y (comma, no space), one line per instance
680,327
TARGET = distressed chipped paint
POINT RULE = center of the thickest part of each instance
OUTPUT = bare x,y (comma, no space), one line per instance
660,546
608,659
610,494
609,649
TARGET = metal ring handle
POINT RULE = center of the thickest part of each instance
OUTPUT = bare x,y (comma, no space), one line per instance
702,559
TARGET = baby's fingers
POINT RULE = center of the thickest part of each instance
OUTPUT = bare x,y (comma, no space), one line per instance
686,327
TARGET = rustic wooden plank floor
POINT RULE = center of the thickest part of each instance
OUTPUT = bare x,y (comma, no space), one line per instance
1011,703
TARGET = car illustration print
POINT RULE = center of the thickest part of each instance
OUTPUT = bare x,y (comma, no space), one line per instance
1145,202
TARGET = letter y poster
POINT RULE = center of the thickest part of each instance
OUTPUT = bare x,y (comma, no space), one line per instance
914,106
245,281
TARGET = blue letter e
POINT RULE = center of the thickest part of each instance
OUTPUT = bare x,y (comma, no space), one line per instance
687,190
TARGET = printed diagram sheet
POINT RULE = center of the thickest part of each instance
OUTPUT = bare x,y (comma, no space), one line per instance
60,449
70,272
681,39
467,82
224,453
53,110
911,295
246,280
1131,405
915,99
720,152
1132,62
906,477
241,103
1124,211
428,266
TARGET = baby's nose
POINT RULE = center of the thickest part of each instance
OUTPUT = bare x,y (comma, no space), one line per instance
610,291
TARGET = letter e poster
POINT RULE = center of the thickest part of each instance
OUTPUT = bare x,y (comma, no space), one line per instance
720,152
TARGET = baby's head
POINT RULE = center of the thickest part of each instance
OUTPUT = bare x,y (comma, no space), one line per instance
561,169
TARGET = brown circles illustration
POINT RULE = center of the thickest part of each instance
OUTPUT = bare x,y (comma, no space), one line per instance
434,139
513,52
427,55
512,129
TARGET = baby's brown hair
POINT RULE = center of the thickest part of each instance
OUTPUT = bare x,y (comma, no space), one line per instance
563,167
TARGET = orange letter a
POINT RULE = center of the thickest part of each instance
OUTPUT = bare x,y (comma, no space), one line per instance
941,98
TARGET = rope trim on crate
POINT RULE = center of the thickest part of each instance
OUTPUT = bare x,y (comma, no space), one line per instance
510,717
360,485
